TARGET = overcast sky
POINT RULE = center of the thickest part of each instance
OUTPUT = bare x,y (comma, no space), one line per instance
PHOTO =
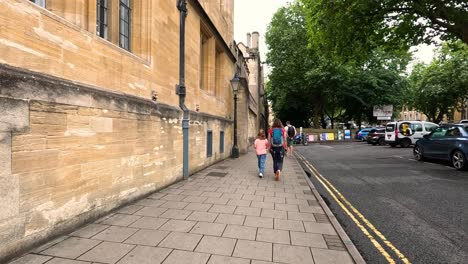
255,15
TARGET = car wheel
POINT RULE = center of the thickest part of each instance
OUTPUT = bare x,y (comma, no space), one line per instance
392,145
381,141
405,143
417,153
459,160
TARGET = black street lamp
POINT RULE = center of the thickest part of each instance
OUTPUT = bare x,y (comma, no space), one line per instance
235,88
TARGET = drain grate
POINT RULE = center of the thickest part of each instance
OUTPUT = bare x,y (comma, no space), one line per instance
217,174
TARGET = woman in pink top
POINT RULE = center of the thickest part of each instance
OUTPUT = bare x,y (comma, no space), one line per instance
261,146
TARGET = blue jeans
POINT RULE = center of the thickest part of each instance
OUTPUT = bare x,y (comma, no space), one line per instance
261,163
277,153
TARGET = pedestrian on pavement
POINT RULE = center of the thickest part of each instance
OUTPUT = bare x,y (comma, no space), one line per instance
291,130
261,145
277,139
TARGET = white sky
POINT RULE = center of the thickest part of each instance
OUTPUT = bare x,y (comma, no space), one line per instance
255,15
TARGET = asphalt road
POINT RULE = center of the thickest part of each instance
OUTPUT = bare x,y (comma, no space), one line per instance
420,207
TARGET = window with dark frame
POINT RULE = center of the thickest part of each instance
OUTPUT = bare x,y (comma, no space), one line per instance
221,142
209,143
41,3
124,24
102,18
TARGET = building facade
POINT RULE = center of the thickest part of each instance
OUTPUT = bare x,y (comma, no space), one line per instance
89,115
256,108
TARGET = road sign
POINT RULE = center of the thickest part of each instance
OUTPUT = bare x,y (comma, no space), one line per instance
384,118
383,110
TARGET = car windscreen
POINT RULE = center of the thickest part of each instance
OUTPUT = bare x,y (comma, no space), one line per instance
390,128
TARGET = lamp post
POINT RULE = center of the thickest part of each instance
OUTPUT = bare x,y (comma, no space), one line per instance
235,88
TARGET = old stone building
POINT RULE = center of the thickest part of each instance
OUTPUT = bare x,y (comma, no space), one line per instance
89,116
256,105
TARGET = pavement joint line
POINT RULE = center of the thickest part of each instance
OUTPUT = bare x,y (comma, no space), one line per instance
372,227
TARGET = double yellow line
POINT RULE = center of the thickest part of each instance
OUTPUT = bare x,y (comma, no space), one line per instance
359,219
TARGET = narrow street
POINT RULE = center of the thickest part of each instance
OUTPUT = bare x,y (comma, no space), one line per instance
420,208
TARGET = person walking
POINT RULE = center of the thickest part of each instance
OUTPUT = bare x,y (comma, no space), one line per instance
277,139
291,130
261,145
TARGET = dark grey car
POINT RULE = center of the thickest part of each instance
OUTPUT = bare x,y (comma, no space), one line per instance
447,142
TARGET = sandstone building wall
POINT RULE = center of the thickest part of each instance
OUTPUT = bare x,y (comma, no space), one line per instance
79,132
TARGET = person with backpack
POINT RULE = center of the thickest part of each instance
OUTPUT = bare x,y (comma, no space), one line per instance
291,134
277,139
261,145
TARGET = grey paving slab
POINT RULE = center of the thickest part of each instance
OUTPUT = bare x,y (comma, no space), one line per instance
213,200
292,254
308,240
89,230
252,197
198,206
224,209
121,220
234,196
150,211
236,202
215,259
301,216
130,209
66,261
176,214
240,210
326,256
31,259
202,216
273,236
147,222
204,228
264,205
274,214
291,225
182,241
211,194
296,201
115,234
146,255
216,245
47,245
319,228
191,193
287,207
149,203
230,219
310,209
185,257
253,250
157,195
174,205
256,221
178,225
173,197
276,200
107,252
147,237
71,247
263,262
240,232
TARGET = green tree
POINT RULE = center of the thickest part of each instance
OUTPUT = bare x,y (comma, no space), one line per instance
352,29
442,86
289,59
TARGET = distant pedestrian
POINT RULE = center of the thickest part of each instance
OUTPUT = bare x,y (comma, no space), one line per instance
277,139
261,145
291,130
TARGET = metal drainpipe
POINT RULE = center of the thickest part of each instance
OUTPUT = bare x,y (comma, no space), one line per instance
181,89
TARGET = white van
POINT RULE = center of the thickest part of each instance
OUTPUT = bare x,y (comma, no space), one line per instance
406,133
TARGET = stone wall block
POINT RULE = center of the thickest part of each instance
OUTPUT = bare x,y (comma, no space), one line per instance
14,115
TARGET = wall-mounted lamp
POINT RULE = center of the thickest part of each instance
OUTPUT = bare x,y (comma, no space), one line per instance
154,96
197,107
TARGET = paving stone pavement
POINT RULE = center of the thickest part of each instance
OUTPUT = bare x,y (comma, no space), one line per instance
233,217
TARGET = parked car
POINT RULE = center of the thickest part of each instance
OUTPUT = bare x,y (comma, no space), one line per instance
376,136
406,133
447,142
362,134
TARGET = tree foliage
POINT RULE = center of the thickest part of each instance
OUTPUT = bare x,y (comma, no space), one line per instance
307,87
442,86
352,29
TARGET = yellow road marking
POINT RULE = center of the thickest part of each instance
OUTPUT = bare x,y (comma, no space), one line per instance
378,246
